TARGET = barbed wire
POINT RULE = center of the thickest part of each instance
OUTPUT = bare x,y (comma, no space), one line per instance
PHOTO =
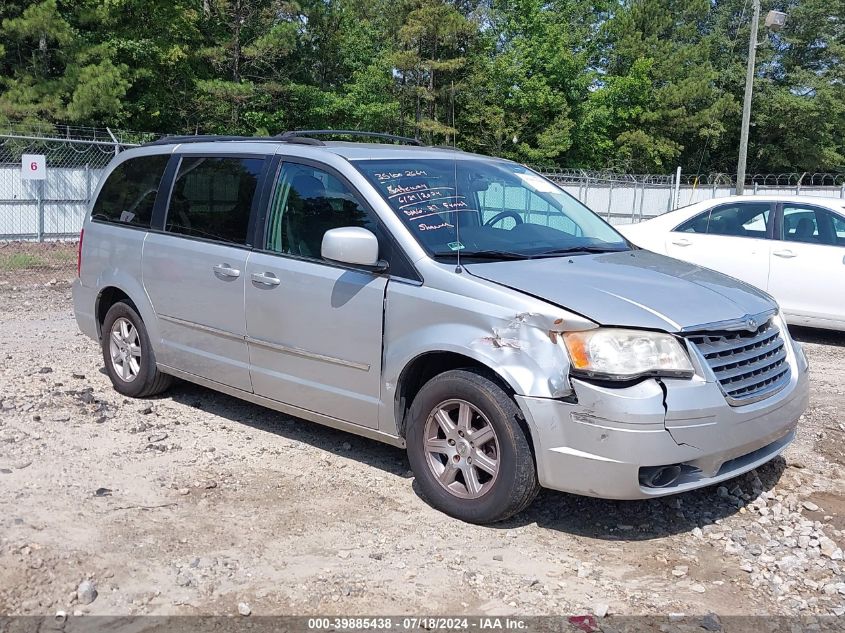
60,131
791,179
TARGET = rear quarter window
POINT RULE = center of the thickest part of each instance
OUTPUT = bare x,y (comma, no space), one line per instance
129,193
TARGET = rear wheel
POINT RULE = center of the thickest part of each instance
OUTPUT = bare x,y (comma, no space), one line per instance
128,355
469,449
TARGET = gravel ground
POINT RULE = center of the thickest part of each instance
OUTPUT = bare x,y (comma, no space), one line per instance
198,503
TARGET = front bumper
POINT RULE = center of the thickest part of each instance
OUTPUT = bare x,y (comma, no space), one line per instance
598,446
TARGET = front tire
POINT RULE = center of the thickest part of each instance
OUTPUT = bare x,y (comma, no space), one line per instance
128,355
469,448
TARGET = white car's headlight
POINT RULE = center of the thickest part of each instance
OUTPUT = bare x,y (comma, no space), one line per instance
618,354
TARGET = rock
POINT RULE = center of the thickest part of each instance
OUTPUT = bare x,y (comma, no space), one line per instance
697,588
86,592
600,609
344,554
680,571
722,491
809,505
78,376
347,446
244,609
498,557
697,532
102,492
184,580
45,370
827,546
710,622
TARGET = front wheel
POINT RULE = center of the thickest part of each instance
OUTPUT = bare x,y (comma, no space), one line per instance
469,448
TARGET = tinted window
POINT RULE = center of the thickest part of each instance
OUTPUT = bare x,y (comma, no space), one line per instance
698,224
736,220
129,194
212,197
307,203
812,225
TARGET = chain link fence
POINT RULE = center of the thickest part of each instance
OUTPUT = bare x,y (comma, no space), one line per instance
40,219
630,198
41,216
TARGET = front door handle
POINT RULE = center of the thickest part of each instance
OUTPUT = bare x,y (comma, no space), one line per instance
265,279
225,270
786,254
681,242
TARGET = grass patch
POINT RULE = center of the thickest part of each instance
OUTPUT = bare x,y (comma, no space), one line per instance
64,256
20,261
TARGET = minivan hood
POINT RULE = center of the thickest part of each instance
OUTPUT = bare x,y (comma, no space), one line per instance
631,288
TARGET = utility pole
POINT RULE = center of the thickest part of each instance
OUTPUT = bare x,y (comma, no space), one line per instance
746,104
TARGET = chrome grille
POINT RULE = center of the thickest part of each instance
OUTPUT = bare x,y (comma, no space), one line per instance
749,366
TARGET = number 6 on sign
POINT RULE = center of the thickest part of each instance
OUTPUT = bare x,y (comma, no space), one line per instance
33,167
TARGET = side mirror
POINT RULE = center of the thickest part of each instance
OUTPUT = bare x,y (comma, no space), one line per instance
352,245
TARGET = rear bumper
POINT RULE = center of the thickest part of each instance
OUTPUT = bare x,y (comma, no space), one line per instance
84,306
598,446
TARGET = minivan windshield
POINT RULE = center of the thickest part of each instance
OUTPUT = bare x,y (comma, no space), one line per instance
487,209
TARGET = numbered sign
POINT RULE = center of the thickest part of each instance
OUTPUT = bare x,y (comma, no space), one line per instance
33,167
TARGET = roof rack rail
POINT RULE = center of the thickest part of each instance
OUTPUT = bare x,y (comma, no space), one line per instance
207,138
301,136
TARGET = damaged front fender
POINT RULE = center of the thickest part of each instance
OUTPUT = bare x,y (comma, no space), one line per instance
514,335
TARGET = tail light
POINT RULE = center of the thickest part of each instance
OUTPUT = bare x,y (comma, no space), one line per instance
79,254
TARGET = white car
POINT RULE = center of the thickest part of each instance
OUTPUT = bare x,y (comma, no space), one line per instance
792,247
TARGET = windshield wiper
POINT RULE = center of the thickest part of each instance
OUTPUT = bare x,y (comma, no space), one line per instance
486,254
574,250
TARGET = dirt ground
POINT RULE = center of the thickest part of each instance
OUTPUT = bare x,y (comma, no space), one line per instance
27,263
195,502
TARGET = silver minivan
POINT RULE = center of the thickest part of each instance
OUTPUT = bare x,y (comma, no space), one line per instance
460,306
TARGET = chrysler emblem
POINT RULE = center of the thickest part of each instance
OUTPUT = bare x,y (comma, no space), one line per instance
751,324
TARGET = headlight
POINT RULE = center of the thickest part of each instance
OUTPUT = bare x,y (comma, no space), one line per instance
617,354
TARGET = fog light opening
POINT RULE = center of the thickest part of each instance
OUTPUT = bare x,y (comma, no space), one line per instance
660,476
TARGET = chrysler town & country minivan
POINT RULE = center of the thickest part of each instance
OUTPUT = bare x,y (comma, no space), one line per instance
460,306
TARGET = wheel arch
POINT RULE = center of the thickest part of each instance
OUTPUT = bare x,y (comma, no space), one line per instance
112,293
425,366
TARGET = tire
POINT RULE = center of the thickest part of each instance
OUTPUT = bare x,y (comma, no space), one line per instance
436,454
133,351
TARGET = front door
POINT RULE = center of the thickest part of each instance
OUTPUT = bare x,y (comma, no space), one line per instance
808,264
732,238
314,328
194,271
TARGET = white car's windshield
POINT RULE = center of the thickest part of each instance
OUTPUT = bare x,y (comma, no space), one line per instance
487,208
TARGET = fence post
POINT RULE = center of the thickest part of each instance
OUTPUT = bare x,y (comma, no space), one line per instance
39,197
842,191
642,198
609,201
676,196
756,187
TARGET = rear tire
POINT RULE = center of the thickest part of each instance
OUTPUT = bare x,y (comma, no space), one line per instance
469,448
128,355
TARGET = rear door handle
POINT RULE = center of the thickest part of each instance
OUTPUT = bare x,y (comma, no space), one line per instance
225,270
786,254
681,242
265,279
